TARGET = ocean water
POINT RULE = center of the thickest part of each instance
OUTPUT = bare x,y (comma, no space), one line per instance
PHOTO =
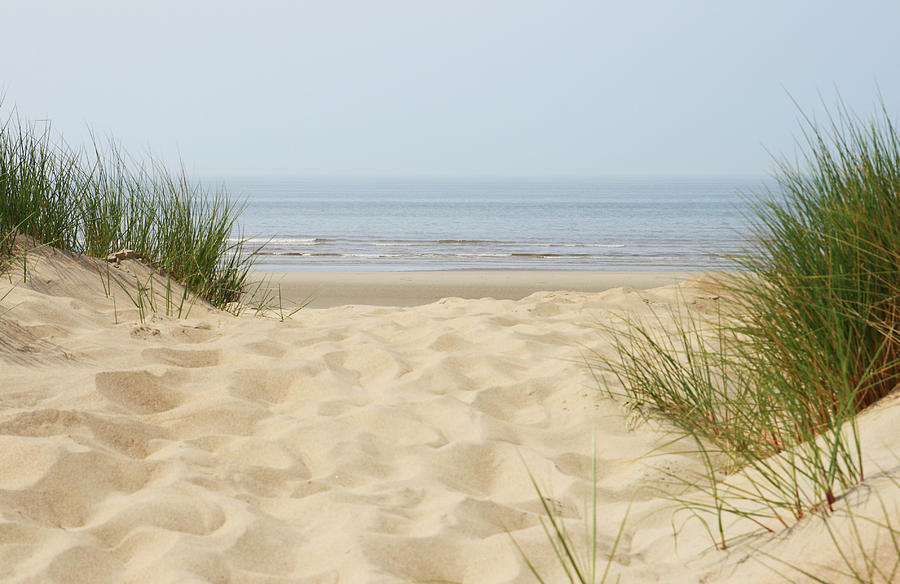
418,224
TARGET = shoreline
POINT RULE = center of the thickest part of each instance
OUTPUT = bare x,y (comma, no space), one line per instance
415,288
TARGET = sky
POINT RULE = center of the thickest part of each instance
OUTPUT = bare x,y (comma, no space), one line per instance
448,88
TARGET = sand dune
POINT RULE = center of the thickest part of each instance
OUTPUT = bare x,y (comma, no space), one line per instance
349,444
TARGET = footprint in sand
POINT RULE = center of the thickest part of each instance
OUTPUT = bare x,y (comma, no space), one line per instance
266,386
122,433
140,392
55,484
266,348
182,358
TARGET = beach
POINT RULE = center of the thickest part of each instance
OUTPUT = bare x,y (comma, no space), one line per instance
450,293
391,439
412,288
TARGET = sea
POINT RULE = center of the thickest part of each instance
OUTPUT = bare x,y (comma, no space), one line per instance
636,223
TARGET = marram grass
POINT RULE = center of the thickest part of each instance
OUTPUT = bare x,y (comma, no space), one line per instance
98,202
579,567
808,336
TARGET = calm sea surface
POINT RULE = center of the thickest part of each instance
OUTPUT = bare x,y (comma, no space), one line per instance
640,223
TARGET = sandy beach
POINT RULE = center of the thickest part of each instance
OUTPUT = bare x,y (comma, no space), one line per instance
412,288
385,437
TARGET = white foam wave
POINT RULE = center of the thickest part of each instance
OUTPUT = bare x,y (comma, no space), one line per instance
284,240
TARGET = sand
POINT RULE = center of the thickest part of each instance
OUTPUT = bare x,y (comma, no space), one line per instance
412,288
357,443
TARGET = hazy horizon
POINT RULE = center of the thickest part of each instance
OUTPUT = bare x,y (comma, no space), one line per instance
480,177
502,89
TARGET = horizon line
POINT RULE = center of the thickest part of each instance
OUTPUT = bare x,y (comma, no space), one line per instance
486,177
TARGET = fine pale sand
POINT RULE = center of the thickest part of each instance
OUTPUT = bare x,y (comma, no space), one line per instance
350,444
328,289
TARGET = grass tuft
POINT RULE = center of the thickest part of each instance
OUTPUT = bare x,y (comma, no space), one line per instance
99,202
579,568
808,335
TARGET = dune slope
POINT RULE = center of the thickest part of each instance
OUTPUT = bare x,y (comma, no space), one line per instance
349,444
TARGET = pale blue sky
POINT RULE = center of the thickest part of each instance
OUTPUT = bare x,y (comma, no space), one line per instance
473,88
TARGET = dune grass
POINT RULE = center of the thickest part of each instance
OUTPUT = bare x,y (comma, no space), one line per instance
98,202
860,558
807,336
579,567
